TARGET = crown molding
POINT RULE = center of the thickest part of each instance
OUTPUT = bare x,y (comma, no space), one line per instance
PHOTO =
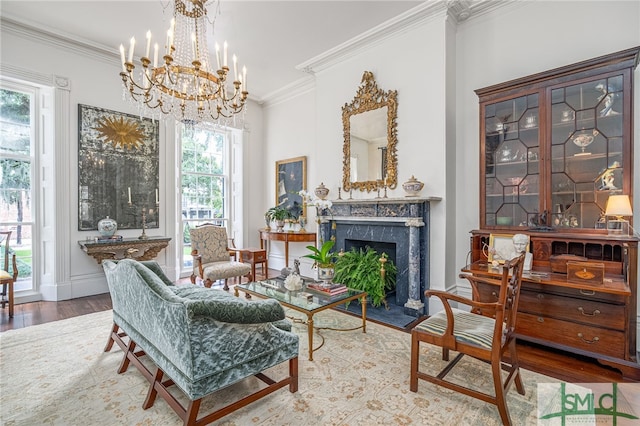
402,23
290,91
59,39
459,10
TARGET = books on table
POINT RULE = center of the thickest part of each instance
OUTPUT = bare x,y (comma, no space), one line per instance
330,289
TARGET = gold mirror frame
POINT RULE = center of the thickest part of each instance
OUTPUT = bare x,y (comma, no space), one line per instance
369,97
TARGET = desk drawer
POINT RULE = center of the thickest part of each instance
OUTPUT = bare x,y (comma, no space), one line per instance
592,312
584,337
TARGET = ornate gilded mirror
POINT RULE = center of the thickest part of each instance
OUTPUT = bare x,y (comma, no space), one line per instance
370,138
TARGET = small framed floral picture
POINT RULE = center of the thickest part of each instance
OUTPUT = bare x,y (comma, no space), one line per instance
291,178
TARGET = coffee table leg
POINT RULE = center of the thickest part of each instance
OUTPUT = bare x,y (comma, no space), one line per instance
364,313
235,290
310,332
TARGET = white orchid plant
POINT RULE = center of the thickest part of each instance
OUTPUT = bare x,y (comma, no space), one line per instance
311,200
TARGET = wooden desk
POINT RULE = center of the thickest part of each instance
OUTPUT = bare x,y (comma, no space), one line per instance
286,237
128,248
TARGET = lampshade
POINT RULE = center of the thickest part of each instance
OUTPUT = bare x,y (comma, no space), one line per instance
619,205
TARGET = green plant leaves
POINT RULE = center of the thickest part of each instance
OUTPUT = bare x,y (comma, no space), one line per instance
360,269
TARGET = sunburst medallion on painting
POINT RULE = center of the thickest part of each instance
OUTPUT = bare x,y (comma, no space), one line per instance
118,131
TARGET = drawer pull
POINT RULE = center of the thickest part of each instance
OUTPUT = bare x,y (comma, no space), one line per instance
587,292
540,296
540,319
595,312
594,340
494,294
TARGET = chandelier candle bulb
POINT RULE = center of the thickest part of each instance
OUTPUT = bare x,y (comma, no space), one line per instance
168,45
194,46
172,33
146,55
244,79
218,54
235,68
132,44
155,55
224,64
129,191
124,69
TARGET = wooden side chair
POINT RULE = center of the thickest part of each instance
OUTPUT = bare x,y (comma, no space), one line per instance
212,257
8,279
486,333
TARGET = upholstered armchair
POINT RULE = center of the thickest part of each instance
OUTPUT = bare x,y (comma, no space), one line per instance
203,339
212,257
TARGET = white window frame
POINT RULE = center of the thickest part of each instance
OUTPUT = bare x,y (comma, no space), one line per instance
233,201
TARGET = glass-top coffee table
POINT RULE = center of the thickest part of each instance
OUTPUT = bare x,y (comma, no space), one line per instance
308,305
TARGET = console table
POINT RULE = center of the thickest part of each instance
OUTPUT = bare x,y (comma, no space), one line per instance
286,237
127,248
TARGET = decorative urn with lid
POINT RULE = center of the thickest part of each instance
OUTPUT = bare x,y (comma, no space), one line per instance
321,191
412,187
107,227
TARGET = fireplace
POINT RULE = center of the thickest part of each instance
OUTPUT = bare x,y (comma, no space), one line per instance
399,227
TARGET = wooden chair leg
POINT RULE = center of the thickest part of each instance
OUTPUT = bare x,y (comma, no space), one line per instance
151,395
192,278
226,286
208,283
293,373
415,357
192,412
124,365
110,342
501,401
445,354
10,285
515,365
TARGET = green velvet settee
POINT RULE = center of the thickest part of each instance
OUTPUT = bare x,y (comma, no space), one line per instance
203,339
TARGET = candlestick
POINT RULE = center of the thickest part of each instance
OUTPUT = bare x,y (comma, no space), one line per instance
143,236
339,191
129,191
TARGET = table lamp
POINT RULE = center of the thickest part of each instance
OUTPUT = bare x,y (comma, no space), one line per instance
618,206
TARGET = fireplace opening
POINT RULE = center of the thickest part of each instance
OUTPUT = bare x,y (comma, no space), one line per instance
379,247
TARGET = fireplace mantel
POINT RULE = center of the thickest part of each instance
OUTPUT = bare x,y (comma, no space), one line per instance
401,221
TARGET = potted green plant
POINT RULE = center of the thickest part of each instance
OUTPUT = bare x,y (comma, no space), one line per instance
361,270
278,214
324,260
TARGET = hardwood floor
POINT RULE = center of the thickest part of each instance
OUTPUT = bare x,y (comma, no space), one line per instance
563,366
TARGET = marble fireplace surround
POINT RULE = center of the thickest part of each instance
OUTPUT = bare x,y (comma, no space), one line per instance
400,221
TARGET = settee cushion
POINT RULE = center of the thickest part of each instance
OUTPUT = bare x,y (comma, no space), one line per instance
222,306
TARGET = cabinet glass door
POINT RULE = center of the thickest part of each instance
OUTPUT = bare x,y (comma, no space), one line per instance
511,162
586,151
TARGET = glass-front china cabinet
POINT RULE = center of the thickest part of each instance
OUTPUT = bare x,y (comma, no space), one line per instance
555,147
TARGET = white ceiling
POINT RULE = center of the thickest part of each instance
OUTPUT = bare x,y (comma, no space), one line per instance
270,37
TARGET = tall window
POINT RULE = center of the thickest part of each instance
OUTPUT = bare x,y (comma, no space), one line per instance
17,168
205,182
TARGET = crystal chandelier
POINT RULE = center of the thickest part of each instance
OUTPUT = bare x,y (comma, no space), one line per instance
182,82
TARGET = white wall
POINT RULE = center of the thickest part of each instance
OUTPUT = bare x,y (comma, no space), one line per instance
413,63
289,132
94,80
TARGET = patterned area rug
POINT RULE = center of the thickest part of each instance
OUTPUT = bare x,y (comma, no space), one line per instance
57,374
